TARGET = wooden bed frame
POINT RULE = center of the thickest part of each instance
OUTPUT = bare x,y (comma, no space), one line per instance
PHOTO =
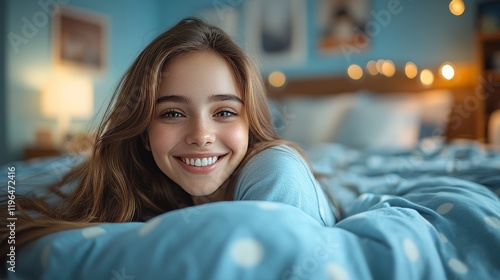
467,118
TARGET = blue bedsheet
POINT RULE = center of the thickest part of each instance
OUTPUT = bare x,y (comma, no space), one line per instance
431,213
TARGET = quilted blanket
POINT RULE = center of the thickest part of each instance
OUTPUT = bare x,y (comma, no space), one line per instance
429,213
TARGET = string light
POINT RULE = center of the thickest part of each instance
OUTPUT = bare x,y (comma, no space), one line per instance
457,7
388,68
426,77
447,71
379,64
355,72
277,79
371,67
411,70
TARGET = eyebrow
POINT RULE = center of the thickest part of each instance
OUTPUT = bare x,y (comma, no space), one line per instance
212,98
171,98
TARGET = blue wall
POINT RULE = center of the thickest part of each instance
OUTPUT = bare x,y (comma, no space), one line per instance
132,24
424,32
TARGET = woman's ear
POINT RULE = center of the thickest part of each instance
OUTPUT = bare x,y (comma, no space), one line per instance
145,141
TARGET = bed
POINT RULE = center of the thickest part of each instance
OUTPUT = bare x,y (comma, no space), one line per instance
416,205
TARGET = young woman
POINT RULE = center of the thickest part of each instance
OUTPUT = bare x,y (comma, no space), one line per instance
188,124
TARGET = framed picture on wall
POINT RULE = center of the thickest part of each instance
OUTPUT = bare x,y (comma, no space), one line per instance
276,32
79,40
341,24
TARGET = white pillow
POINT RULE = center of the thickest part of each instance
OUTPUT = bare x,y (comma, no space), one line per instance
363,120
379,122
308,121
435,108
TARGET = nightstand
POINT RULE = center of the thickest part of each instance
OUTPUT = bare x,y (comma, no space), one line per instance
36,152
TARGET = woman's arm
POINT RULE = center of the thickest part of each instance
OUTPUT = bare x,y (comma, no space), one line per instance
280,174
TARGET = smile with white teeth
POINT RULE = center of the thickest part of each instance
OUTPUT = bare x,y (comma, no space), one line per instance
200,161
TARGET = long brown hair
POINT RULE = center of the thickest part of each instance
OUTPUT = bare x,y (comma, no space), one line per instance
119,181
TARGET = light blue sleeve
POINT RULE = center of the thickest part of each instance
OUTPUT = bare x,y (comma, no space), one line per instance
280,174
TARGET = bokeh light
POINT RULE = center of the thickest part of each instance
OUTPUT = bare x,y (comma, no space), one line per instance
379,64
371,67
277,79
447,71
426,77
388,68
457,7
355,72
411,70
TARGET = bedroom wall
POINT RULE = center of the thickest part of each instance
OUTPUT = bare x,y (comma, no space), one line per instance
424,32
131,26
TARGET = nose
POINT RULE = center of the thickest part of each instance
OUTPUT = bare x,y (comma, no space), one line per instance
200,132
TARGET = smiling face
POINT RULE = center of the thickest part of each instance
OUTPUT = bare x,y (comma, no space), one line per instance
199,132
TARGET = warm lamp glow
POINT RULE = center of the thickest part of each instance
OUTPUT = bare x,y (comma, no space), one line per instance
277,79
447,71
411,70
66,98
355,72
426,77
388,68
457,7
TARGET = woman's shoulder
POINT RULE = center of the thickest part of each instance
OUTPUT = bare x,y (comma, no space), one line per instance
278,153
275,161
280,174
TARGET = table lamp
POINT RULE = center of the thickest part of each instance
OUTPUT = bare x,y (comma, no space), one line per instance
66,98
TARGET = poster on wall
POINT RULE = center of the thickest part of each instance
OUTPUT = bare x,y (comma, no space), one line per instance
276,32
341,25
79,40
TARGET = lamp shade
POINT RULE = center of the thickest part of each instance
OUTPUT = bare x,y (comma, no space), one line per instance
68,97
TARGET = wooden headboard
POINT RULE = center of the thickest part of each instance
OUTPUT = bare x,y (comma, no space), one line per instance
467,117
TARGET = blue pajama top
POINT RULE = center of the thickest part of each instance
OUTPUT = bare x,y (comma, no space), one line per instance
280,174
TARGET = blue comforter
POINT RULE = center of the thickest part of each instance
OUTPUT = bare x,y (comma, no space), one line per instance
430,213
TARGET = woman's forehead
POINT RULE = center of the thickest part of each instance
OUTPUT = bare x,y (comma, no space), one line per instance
197,74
